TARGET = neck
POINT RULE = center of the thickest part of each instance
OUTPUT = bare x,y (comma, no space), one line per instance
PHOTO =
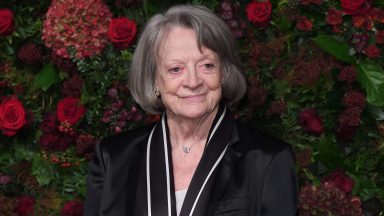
189,131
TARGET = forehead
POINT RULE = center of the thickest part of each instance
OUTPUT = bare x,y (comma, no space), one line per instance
180,43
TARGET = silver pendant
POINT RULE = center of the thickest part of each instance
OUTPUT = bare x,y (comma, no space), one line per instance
186,149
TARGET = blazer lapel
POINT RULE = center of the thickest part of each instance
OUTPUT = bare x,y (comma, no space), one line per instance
225,171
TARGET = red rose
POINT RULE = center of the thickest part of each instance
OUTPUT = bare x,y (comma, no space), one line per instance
6,22
121,32
380,37
304,24
341,180
72,208
311,122
356,6
12,116
372,51
259,13
334,16
25,206
70,110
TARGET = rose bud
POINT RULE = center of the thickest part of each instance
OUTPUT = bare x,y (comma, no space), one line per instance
311,122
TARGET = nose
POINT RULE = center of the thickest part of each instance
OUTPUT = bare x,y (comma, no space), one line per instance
193,79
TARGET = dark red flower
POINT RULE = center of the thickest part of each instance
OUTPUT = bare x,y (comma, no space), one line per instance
30,54
345,133
54,141
121,32
347,74
356,6
334,16
7,25
354,98
49,123
362,22
257,96
327,199
70,110
377,15
372,51
350,116
380,37
64,64
12,115
72,87
72,208
311,122
341,180
304,24
25,206
259,13
85,144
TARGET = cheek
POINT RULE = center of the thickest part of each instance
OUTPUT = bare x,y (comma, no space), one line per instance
167,86
213,83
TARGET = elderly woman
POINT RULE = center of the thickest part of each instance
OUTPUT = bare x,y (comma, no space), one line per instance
197,160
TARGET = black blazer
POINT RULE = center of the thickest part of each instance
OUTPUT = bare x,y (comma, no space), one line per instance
256,176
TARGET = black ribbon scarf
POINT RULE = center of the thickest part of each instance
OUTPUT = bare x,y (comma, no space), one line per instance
156,192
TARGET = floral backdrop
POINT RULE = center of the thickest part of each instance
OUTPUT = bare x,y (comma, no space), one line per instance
315,79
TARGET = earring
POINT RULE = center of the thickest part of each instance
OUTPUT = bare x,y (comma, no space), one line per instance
222,82
157,92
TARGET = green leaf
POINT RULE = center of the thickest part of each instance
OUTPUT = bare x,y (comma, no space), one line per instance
334,47
375,112
367,189
43,170
23,153
282,23
371,77
8,49
46,77
329,153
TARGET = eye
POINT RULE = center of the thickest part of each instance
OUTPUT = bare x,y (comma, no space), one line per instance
175,70
207,67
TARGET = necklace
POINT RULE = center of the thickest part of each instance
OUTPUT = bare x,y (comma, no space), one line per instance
186,149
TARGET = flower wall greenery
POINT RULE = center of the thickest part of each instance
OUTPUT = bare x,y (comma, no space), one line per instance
315,80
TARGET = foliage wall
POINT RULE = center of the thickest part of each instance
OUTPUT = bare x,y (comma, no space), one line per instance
315,79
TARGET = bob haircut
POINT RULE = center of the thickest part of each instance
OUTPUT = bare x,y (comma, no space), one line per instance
211,32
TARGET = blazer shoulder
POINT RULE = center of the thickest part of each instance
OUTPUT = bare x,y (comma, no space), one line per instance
126,139
257,140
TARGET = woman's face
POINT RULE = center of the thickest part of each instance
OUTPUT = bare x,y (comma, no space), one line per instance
188,78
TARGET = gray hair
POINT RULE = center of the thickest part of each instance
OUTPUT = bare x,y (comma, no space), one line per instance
211,32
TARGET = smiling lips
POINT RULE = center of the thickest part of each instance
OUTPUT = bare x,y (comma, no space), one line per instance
194,98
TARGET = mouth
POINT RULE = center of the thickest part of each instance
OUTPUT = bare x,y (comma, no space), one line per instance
194,98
